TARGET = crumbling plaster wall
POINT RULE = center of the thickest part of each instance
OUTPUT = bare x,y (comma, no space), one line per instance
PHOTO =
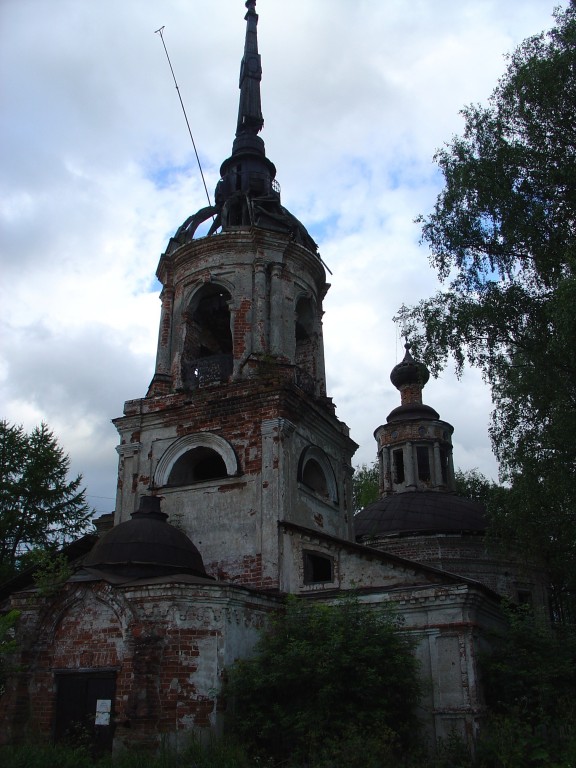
473,556
233,520
167,642
447,620
266,274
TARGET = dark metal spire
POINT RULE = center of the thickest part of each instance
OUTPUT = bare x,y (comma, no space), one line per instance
248,193
250,118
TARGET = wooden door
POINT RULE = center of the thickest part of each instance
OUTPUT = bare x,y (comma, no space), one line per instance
84,709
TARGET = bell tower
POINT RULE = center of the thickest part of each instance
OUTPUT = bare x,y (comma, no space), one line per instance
414,446
236,432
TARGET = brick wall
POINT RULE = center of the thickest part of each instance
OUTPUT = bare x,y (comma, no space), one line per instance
168,645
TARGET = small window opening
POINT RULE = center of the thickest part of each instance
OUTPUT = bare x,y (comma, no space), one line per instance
398,466
444,464
197,465
318,569
314,477
423,460
525,597
301,333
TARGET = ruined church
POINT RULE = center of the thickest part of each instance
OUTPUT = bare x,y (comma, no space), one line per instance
235,490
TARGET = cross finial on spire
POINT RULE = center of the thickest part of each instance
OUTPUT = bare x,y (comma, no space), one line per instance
401,320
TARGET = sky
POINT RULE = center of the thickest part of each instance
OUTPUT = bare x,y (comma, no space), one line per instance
98,171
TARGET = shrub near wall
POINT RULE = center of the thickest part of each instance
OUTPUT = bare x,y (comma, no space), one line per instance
326,677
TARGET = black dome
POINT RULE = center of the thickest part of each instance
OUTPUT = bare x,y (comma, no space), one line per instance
146,546
419,512
412,411
408,371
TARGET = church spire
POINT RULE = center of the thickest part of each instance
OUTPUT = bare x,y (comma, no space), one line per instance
248,194
250,118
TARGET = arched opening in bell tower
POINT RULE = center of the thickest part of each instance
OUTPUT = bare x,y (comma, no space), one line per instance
305,340
207,352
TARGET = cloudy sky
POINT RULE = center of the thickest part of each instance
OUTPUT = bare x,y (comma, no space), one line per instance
98,171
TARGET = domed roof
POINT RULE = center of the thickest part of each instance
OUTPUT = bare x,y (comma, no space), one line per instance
408,371
419,512
146,546
412,411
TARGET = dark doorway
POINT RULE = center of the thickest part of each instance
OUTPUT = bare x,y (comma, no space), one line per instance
84,709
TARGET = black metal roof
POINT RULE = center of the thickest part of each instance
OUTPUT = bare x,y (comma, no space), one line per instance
408,371
146,546
419,512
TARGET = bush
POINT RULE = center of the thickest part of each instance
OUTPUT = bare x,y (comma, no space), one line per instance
324,678
529,679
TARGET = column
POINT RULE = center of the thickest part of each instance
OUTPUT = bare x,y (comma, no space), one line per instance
259,323
276,306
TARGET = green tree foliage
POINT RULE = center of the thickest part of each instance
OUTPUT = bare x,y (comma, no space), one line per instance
323,675
39,506
365,485
51,570
497,500
529,682
472,484
503,237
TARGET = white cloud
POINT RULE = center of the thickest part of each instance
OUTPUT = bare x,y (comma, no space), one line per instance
98,171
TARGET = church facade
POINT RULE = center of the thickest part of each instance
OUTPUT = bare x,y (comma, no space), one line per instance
235,489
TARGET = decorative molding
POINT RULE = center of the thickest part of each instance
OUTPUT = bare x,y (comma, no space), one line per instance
128,449
197,440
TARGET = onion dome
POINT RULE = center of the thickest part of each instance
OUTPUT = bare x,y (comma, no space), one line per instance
410,377
146,546
409,372
419,513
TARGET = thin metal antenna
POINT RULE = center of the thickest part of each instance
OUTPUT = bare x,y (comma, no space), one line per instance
159,31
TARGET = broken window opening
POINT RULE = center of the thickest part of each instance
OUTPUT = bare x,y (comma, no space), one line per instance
207,351
318,569
444,464
525,597
398,465
304,336
423,462
313,476
197,465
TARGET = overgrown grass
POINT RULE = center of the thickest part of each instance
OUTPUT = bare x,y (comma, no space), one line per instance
216,754
507,743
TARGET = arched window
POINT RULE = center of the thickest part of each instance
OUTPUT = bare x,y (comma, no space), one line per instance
207,352
313,476
196,465
316,474
305,356
196,458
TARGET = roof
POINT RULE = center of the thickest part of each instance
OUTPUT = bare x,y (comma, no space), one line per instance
430,573
419,512
146,546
